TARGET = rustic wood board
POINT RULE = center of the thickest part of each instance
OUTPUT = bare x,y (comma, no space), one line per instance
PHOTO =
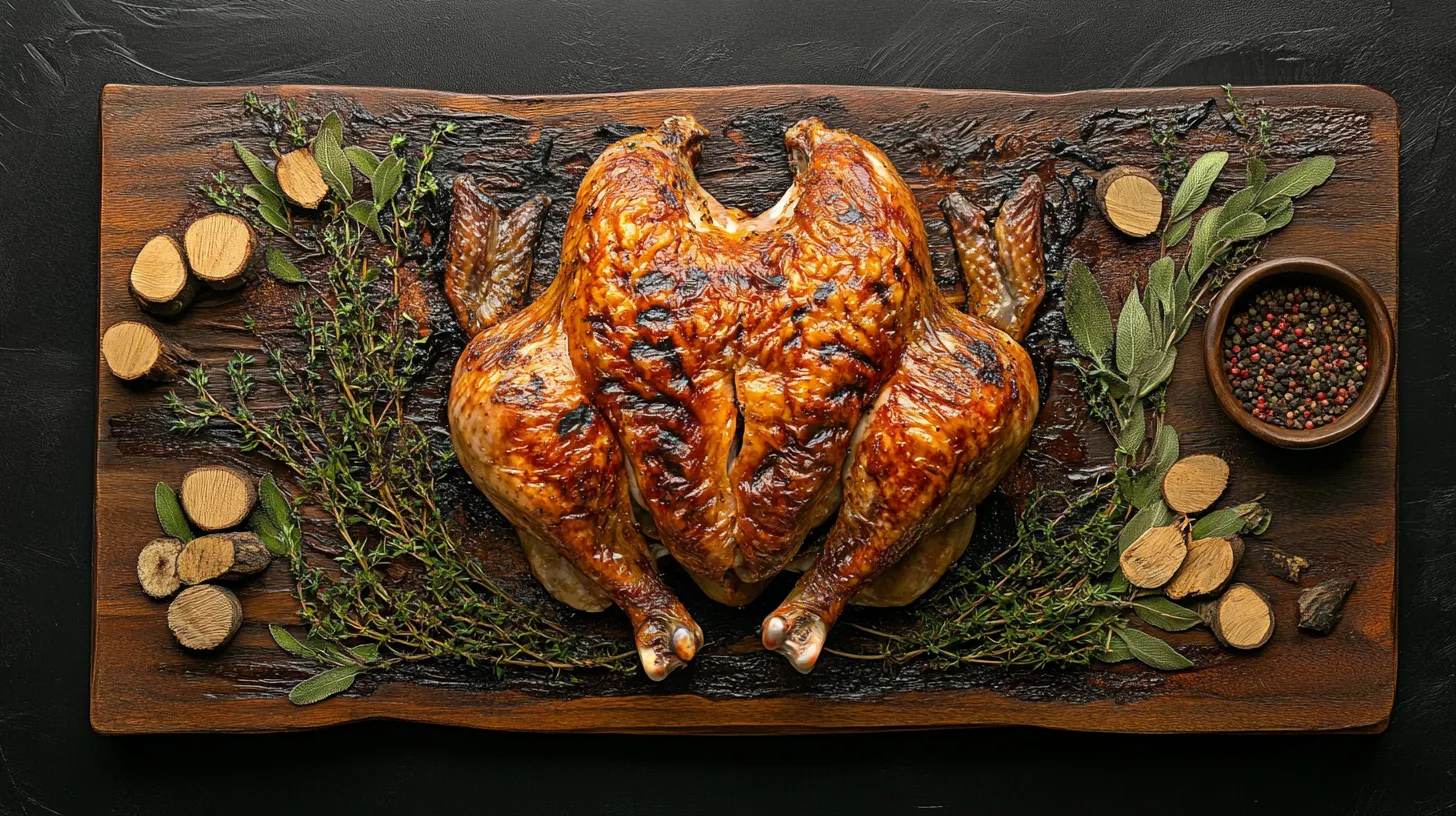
1337,505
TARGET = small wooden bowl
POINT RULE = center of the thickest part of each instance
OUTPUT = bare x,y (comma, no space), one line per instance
1379,346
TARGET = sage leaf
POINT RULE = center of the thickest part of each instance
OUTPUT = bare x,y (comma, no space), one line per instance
1134,335
282,268
365,653
169,513
1219,523
1154,515
1131,436
1239,203
361,158
1160,282
1242,228
262,172
1199,257
275,218
1256,518
288,643
1117,584
1087,316
1300,179
334,126
1164,614
1153,651
1194,189
324,685
367,214
1116,652
1279,217
386,180
286,538
1254,174
1176,231
262,195
1159,371
337,171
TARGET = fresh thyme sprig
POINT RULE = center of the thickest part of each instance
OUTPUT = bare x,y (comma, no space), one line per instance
398,586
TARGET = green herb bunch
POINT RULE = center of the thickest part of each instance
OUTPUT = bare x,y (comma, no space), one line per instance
336,420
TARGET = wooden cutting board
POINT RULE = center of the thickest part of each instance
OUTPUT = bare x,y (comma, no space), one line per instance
1336,506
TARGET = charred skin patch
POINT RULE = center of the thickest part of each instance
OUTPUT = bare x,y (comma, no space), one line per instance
575,420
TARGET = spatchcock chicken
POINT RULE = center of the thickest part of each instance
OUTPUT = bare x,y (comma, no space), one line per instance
715,385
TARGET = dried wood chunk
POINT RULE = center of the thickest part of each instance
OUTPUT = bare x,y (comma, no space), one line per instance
1241,618
159,279
223,557
1284,566
301,179
1320,605
157,567
205,617
1131,200
136,351
217,497
1154,557
1207,569
1195,482
219,247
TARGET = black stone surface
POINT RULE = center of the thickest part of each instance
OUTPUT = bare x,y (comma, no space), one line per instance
56,54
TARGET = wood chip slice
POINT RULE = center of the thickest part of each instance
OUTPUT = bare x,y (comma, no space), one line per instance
301,179
1241,618
157,567
216,497
219,247
1151,560
205,617
136,351
1194,483
1207,569
1130,199
159,279
222,557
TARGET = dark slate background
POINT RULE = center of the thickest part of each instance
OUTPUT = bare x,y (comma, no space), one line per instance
56,54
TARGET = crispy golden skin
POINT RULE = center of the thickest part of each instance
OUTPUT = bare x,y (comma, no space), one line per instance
740,379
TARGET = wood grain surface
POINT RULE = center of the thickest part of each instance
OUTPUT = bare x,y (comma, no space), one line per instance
1335,506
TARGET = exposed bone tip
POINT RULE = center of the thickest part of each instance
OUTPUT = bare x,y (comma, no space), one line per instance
684,645
774,630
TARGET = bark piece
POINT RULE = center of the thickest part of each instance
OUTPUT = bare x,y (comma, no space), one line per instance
1194,483
1207,569
205,617
301,179
136,351
222,557
219,247
1131,200
216,497
1241,618
1154,557
1320,605
159,279
157,567
1284,566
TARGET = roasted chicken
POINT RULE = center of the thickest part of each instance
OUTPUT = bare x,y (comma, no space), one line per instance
724,383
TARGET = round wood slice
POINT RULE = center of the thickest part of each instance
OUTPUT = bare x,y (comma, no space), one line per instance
1241,618
135,351
1154,558
300,178
216,497
222,557
205,617
1207,568
1131,200
159,279
1194,483
219,247
157,567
